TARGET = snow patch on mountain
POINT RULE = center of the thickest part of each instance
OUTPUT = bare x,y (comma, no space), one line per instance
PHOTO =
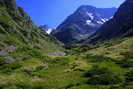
90,15
104,20
46,28
49,30
99,22
88,21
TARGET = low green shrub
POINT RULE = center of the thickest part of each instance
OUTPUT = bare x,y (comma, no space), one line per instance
15,65
129,76
35,53
102,76
23,85
2,62
117,87
97,58
8,68
60,61
127,55
5,70
125,63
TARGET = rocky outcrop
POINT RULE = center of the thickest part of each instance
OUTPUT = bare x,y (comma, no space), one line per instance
56,54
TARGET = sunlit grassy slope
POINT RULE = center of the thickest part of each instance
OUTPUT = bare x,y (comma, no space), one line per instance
20,38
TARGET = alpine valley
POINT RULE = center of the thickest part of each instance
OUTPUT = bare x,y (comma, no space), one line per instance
91,49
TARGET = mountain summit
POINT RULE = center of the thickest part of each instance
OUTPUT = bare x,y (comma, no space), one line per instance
84,22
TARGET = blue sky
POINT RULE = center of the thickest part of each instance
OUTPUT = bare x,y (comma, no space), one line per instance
53,12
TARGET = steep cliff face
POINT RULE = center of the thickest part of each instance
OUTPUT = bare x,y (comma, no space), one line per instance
120,25
18,33
82,23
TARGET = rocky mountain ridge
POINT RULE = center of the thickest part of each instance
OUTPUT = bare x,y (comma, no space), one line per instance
82,23
121,25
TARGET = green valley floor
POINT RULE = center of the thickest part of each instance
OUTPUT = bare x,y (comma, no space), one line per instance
105,66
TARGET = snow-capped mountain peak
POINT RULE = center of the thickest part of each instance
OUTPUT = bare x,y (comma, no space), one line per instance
85,21
49,30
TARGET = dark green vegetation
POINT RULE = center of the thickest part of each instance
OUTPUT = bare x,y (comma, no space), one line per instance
24,63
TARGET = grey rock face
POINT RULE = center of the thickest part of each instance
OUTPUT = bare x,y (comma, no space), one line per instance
55,54
82,24
8,50
11,4
11,60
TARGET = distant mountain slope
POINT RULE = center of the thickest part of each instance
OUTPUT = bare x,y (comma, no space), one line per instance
119,26
82,23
